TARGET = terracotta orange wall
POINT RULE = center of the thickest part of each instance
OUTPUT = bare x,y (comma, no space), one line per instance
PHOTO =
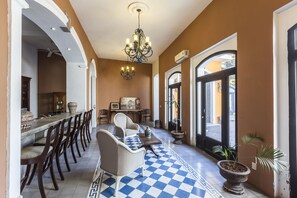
253,22
90,53
3,96
111,85
52,78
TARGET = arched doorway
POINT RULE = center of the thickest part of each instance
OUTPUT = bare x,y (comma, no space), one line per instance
216,101
156,97
174,101
41,13
92,91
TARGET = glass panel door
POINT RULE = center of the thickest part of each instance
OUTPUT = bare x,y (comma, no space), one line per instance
174,116
216,101
292,60
213,110
232,111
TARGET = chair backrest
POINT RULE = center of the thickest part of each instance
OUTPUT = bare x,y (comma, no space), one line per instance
67,126
108,148
90,116
52,138
76,125
85,119
146,111
61,133
103,112
65,129
120,120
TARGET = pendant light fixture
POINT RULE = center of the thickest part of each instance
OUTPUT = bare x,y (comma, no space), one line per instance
140,48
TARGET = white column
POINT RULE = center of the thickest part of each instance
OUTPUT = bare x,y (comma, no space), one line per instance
93,101
76,85
14,121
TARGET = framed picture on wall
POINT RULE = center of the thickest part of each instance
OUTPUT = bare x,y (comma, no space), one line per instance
130,103
114,105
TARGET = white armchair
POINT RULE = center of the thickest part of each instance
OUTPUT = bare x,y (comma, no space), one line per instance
117,158
124,126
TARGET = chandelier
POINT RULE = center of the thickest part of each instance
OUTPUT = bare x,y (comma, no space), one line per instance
140,49
127,72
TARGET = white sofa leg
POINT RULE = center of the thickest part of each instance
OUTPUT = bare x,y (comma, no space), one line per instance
118,180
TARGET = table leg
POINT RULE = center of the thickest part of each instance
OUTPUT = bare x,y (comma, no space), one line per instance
149,147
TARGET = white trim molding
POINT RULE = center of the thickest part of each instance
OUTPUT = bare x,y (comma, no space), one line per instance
14,97
229,43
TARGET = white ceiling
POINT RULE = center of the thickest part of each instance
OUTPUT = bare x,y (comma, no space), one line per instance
108,23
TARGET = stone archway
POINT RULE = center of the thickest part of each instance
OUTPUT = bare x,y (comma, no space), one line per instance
43,13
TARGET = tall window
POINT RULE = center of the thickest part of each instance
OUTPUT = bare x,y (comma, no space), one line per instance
216,101
174,98
292,60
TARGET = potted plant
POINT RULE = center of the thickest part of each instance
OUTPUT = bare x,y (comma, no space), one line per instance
236,173
177,134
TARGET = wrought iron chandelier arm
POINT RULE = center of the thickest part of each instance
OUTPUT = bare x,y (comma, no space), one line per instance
140,48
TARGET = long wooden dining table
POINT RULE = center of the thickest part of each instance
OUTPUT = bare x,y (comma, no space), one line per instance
39,126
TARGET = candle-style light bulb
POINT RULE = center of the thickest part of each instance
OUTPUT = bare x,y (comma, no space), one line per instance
122,68
135,37
132,68
127,41
147,39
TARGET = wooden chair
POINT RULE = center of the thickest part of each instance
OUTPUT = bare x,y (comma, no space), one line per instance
88,125
74,132
41,157
64,138
145,115
65,144
83,130
103,116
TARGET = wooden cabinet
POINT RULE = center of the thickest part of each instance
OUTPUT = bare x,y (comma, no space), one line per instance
26,92
59,102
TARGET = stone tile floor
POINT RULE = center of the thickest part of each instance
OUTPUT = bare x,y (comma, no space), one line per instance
77,182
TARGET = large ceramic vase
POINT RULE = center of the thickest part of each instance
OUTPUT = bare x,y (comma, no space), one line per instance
234,178
72,107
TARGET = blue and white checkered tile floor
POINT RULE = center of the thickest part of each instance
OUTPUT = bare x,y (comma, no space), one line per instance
164,177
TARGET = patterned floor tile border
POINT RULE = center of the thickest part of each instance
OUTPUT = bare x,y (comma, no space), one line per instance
209,188
94,188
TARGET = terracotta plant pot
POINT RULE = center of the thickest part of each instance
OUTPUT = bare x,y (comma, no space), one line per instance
72,107
234,178
178,136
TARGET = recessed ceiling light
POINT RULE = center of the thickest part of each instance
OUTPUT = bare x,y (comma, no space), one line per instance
53,28
69,49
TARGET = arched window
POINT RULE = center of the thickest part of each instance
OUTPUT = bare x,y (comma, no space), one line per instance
216,101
